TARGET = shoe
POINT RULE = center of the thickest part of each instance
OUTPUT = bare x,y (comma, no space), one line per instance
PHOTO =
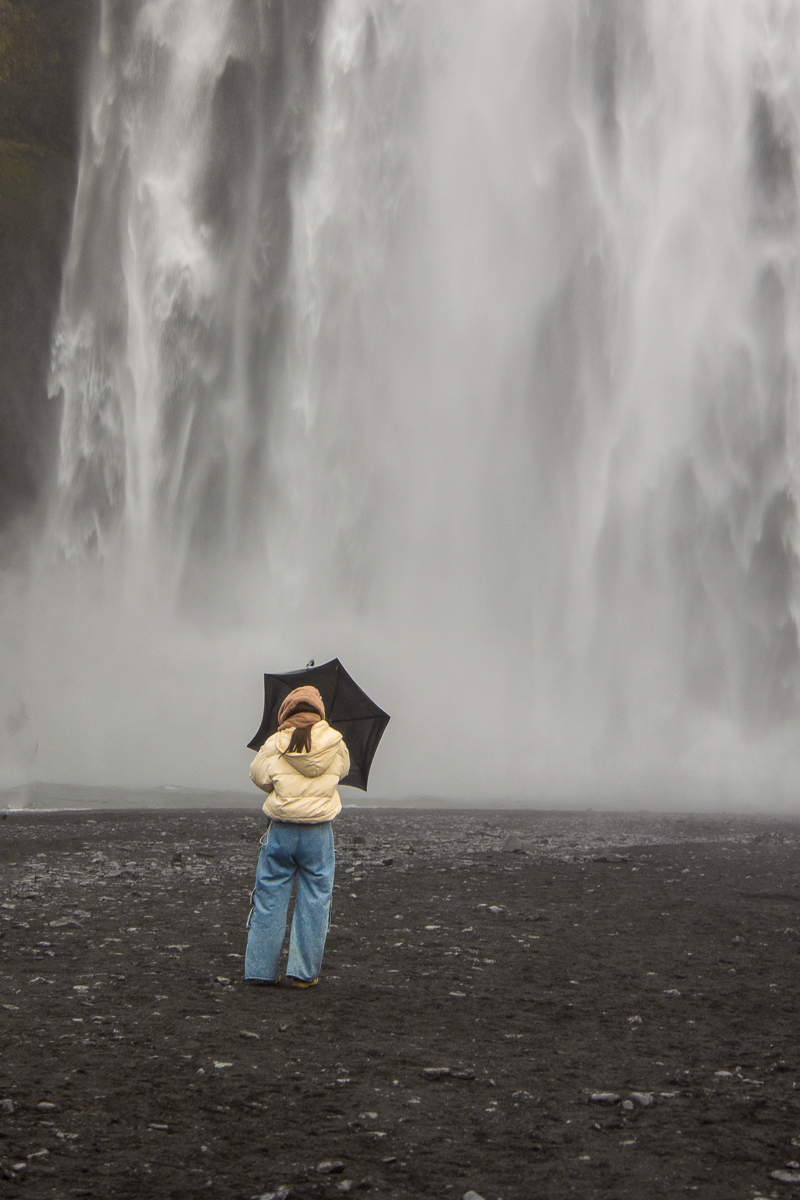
305,983
263,982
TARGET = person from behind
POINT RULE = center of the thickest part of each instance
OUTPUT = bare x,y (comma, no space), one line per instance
299,768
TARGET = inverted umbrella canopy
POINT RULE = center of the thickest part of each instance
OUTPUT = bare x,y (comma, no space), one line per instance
347,708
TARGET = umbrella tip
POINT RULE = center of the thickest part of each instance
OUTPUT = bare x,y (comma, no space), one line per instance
310,663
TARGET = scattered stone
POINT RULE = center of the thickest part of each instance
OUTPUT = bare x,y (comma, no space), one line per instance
497,908
159,1128
513,845
463,1074
221,1065
62,922
387,862
604,1098
737,941
38,1155
330,1168
628,1105
345,1185
786,1176
472,1196
643,1099
221,979
245,1033
282,1193
436,1072
521,1095
358,840
6,1106
45,1106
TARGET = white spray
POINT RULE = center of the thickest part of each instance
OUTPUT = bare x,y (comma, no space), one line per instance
456,339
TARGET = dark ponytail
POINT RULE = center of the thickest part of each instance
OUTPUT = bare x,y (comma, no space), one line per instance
300,741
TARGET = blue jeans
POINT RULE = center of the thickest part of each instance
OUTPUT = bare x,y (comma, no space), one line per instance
291,849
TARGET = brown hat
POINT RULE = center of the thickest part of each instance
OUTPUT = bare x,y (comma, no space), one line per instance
302,695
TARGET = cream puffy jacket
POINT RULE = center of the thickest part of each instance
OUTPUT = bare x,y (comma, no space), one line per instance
302,787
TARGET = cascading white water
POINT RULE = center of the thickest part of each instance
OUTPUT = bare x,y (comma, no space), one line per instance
459,340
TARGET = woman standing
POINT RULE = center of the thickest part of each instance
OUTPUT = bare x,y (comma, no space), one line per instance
299,768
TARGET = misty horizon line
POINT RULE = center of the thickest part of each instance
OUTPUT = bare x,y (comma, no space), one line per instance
39,796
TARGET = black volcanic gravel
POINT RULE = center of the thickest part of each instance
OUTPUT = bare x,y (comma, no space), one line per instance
617,955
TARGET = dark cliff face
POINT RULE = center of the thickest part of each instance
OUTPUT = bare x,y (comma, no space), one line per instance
43,50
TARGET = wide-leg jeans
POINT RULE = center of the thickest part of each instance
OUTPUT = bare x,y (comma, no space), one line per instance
291,851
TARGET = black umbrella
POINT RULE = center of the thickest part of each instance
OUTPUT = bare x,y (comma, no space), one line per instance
347,708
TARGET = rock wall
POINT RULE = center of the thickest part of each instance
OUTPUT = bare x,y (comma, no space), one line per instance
43,49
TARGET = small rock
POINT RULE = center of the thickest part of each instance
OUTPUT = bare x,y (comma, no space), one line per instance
472,1196
282,1193
358,840
38,1155
159,1128
221,979
463,1074
45,1106
6,1106
513,845
345,1185
387,862
737,941
628,1105
245,1033
604,1098
436,1072
643,1099
496,908
62,922
330,1168
786,1176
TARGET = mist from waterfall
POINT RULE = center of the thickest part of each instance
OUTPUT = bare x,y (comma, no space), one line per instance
459,340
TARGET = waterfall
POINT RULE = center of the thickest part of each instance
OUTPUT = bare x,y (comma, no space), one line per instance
453,338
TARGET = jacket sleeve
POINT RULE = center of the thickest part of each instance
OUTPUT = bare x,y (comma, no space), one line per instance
259,770
343,760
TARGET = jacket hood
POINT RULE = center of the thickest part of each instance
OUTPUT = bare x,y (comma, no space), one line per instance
316,761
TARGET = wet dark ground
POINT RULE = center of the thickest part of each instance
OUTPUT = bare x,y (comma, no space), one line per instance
620,955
